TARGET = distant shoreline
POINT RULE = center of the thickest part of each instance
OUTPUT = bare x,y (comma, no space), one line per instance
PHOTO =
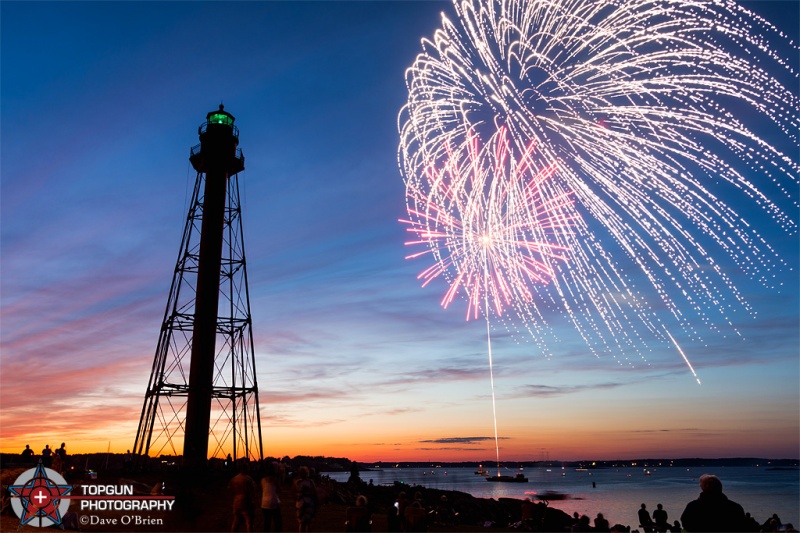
590,464
339,464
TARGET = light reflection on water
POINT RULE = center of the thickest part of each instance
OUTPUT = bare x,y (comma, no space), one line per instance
618,492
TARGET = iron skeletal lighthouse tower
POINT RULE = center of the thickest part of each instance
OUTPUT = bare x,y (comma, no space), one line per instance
202,391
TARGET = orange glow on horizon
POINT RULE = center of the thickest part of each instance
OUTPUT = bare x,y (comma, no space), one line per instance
572,446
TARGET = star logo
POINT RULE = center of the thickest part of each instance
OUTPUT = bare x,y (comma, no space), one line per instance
39,493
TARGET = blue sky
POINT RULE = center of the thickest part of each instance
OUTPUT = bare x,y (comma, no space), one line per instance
100,105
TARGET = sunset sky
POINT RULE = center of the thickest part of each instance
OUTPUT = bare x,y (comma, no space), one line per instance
100,104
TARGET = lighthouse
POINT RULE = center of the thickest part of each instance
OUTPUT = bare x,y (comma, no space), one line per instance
202,396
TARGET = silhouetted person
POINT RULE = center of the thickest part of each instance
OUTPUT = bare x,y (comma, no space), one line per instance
444,512
306,493
127,462
396,515
359,518
27,454
752,523
644,519
416,517
47,456
243,489
57,464
712,510
676,527
600,523
772,523
270,503
584,524
355,476
660,518
419,499
60,459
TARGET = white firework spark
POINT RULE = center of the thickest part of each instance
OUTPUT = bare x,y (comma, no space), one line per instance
667,122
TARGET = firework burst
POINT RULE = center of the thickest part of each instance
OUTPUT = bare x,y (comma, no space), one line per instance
599,160
491,224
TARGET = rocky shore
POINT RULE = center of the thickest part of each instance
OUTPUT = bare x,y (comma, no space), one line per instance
463,511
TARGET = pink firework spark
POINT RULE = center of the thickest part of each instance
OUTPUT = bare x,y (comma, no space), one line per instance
490,221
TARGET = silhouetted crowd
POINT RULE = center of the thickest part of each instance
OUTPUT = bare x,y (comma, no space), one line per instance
53,459
712,511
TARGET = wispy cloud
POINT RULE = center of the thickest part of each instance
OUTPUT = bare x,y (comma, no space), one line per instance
435,375
272,397
547,391
460,440
671,430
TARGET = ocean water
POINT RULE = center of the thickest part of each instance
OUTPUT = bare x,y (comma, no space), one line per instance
617,492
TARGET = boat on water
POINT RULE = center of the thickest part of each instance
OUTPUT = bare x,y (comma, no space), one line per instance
481,471
519,478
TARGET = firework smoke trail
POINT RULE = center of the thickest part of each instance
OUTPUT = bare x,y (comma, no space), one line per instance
646,112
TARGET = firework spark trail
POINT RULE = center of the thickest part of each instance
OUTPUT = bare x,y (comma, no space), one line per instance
491,371
644,114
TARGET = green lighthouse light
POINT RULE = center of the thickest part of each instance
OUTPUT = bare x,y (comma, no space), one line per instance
221,118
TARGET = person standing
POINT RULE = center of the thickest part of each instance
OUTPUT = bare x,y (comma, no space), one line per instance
61,457
270,502
243,489
47,456
397,513
712,510
306,494
359,518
